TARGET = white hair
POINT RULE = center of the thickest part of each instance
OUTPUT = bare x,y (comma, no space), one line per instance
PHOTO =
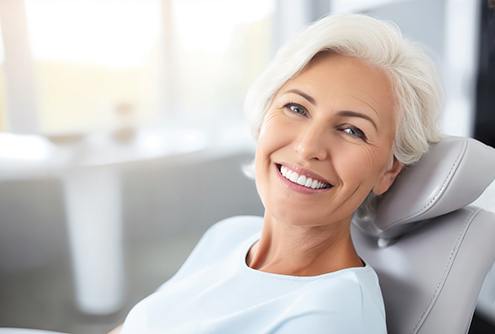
412,73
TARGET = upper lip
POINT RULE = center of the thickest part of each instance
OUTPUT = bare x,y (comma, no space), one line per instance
305,172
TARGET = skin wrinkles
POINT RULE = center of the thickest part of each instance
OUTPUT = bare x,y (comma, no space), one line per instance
348,113
369,104
309,234
352,194
281,102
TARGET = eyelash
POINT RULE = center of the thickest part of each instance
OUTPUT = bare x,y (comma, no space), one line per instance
289,106
358,132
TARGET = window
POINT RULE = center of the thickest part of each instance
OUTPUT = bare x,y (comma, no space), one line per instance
3,125
221,46
96,62
93,60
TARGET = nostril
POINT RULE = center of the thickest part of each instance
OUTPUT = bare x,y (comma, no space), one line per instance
311,149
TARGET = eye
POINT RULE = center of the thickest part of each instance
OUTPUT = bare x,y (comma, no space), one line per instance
354,132
296,108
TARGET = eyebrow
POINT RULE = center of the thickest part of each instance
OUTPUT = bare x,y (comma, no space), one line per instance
345,113
303,94
350,113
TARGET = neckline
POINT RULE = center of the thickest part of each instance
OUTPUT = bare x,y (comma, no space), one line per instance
249,243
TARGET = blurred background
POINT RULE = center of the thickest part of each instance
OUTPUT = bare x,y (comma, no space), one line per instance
122,135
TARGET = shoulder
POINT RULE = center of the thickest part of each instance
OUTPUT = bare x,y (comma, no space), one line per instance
223,237
218,242
336,292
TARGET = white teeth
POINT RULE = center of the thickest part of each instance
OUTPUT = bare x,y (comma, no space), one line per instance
293,176
308,182
301,179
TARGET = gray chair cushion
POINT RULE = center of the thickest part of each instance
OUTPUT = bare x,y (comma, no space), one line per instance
431,277
432,271
452,174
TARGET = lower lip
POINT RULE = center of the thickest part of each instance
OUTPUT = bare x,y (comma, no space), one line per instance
297,187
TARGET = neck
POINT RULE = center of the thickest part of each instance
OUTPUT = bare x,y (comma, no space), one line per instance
303,250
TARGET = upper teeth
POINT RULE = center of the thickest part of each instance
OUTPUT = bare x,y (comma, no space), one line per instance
302,179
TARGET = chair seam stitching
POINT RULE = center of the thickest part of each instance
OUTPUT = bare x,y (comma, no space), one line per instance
442,189
448,267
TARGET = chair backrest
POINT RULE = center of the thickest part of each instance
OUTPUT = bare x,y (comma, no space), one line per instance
432,250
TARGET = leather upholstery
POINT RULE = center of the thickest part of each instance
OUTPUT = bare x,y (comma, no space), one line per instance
452,174
431,278
432,272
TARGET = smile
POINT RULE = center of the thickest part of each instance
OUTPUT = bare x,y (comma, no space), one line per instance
301,182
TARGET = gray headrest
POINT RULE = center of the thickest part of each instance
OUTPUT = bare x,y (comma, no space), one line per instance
452,174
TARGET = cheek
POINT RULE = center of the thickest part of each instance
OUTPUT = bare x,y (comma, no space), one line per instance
260,179
268,122
272,138
264,146
355,163
274,134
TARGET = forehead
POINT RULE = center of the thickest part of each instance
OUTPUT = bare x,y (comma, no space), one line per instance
337,81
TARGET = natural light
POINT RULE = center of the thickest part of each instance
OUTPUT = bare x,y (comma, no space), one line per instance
154,59
1,48
218,28
100,32
93,31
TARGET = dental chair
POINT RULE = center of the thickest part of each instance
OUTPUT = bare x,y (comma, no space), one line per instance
429,247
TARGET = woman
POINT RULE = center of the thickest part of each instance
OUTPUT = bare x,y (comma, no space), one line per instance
336,116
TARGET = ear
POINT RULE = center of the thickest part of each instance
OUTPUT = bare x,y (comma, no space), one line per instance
388,177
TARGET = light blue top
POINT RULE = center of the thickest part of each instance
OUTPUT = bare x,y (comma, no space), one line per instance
216,292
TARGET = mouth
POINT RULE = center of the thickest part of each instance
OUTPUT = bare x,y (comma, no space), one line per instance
301,181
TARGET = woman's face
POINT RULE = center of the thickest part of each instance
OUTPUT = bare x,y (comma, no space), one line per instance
334,122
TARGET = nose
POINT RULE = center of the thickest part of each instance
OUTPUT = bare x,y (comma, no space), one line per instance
311,144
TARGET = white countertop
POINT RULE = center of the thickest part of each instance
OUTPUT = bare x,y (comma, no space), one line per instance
31,156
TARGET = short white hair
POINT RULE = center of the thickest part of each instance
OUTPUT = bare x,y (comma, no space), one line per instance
412,73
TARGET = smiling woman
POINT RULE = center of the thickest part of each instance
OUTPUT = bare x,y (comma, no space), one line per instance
336,116
335,119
